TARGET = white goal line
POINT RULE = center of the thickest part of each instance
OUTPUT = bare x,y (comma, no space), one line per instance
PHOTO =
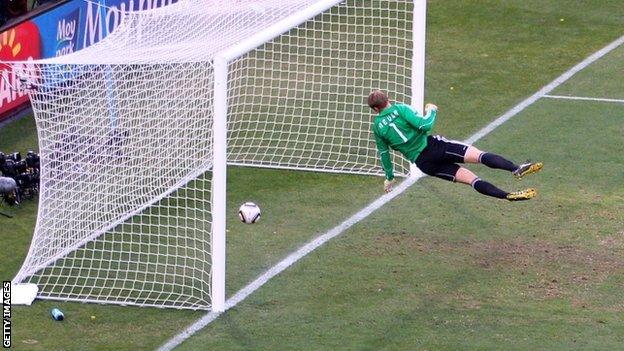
365,212
584,98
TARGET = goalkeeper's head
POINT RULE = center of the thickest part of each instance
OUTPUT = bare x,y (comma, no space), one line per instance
378,100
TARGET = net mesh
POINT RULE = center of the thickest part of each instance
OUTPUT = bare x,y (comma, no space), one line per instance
125,132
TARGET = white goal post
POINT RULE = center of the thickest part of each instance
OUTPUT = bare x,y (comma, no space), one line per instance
136,133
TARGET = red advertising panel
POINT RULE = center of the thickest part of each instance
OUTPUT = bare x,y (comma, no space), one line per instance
20,43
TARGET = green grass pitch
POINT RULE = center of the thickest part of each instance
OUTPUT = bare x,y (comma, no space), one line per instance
440,267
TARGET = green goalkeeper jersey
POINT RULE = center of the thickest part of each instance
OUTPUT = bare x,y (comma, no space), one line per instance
401,128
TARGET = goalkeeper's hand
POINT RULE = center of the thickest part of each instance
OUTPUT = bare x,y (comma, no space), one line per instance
430,107
388,184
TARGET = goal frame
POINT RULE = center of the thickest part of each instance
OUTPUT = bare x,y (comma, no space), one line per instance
220,65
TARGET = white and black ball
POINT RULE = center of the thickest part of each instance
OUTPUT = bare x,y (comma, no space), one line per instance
249,213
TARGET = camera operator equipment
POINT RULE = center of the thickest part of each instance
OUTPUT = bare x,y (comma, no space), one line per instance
9,193
32,159
20,177
27,184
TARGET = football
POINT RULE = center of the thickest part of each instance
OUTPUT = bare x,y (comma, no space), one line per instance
249,213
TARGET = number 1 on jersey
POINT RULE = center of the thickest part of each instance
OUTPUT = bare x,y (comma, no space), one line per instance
398,132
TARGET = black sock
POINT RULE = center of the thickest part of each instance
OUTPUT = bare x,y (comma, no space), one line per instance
489,189
496,161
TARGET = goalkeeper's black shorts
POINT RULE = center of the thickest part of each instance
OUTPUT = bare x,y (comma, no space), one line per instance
440,157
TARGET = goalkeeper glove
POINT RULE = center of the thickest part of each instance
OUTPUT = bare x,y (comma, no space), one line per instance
388,184
430,107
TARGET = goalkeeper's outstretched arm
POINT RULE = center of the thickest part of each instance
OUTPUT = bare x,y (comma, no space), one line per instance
419,121
386,162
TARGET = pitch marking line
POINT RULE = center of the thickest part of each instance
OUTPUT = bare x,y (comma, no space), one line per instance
583,98
375,205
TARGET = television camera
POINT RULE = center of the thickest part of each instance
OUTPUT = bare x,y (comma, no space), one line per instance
19,177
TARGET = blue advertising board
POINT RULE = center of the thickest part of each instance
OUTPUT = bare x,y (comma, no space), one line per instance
79,24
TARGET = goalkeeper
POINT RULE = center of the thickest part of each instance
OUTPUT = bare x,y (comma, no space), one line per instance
399,127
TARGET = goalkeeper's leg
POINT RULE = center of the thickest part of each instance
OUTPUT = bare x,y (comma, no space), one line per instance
474,155
440,157
465,176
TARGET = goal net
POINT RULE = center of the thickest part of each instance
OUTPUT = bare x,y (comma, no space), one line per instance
136,130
